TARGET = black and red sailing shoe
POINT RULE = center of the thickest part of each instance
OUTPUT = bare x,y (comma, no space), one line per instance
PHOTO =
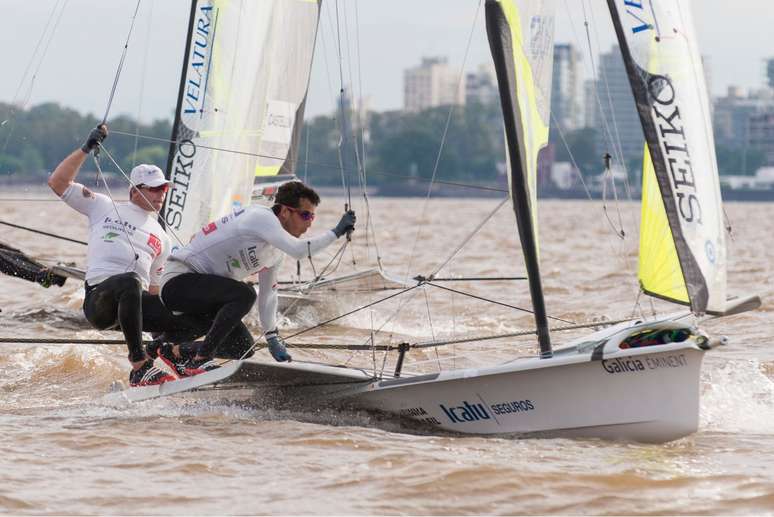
148,375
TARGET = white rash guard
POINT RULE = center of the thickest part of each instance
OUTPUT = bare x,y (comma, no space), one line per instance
109,252
245,242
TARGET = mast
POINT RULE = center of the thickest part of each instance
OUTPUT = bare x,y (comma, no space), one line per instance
525,120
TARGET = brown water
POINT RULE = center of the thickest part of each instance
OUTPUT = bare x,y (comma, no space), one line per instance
65,452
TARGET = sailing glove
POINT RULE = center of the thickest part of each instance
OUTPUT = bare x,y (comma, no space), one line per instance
277,347
346,224
97,135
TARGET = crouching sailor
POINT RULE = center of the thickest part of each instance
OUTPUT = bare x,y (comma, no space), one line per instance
127,249
205,277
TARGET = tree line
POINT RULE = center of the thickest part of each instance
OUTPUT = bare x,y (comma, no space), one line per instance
392,146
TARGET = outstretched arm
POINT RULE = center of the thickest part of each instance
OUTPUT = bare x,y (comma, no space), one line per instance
65,173
267,298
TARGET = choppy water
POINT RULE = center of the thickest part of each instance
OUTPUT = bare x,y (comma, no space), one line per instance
65,452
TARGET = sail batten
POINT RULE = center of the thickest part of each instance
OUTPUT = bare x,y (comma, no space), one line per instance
681,190
240,107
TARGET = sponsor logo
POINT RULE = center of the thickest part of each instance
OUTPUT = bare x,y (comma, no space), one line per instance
419,414
233,263
629,365
155,243
513,406
709,249
199,61
109,236
87,193
637,16
206,230
181,179
466,412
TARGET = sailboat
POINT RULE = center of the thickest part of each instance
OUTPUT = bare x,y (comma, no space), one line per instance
238,122
634,380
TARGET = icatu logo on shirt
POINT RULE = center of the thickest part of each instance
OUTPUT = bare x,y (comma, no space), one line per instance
109,236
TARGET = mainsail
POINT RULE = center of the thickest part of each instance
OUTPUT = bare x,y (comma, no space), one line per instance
682,245
240,105
521,35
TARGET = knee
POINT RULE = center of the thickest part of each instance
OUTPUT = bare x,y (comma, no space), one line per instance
246,297
130,283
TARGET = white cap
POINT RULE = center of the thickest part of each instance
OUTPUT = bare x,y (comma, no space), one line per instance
150,175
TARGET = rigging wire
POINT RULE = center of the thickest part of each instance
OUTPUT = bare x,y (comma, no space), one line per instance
443,141
11,115
468,238
142,85
318,164
121,64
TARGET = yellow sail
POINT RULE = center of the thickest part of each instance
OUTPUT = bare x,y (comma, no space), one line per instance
658,269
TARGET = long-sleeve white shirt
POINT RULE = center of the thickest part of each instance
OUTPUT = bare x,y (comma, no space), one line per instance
248,241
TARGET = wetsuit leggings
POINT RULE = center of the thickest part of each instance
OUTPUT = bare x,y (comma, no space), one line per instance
223,301
120,301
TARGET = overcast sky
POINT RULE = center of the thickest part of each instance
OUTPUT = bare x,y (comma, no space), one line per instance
79,63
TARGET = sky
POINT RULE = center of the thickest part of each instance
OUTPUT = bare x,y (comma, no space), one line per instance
72,48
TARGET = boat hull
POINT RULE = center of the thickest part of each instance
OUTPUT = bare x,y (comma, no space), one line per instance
647,395
650,398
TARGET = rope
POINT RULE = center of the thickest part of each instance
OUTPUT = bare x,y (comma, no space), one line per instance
469,237
43,233
493,301
324,346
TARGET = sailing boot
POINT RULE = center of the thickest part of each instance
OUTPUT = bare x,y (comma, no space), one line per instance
196,366
148,375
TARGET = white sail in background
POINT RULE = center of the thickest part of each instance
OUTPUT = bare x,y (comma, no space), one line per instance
240,105
682,247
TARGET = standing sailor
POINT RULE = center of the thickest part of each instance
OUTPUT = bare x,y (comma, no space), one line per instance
127,248
205,276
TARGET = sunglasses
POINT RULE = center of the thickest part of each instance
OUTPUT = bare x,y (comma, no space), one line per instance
160,188
306,215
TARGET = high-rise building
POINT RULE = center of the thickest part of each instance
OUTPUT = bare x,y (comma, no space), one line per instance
732,115
770,72
431,84
481,85
617,120
589,103
565,89
762,135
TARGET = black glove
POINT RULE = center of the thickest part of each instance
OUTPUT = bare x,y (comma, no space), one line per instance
346,223
97,135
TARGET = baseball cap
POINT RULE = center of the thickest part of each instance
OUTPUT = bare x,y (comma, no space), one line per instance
145,174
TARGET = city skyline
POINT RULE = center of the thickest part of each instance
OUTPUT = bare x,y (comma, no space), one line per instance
80,62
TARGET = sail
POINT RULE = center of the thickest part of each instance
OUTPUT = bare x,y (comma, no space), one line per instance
682,245
240,106
521,34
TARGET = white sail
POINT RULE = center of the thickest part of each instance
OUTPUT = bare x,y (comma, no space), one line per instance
521,36
682,255
240,106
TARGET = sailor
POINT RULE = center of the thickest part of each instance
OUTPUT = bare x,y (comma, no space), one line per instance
127,248
205,276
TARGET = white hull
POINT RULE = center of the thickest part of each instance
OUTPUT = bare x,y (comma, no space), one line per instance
648,394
